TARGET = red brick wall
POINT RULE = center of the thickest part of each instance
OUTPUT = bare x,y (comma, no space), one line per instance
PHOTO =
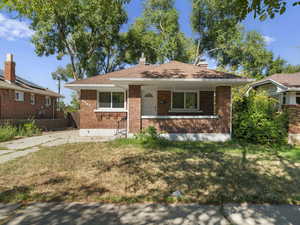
12,109
294,118
134,109
9,71
206,103
223,107
109,120
220,125
97,120
186,125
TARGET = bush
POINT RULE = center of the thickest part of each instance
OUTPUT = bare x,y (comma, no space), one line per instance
256,119
29,129
8,132
150,138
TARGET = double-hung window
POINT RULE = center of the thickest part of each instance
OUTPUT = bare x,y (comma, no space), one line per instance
111,100
185,101
19,96
32,99
48,101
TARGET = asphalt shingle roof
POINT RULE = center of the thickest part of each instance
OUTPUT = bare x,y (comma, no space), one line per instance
288,80
173,69
26,86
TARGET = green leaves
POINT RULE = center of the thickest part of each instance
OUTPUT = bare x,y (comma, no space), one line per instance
241,8
157,34
88,31
256,120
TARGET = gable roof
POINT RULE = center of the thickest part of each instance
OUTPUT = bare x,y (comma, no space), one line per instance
287,80
24,85
171,70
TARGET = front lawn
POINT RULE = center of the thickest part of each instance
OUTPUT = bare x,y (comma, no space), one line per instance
125,172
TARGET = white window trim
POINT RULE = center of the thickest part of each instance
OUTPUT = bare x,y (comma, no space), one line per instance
20,94
111,109
32,102
48,102
185,109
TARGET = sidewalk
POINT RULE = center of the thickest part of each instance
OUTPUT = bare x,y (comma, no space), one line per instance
142,214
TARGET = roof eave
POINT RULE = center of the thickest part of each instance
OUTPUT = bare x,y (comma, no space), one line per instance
203,81
259,83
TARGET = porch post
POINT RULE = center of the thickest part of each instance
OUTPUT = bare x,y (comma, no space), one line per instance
134,109
223,107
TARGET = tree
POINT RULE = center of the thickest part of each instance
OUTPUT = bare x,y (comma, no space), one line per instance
157,34
242,52
84,30
279,65
62,74
239,9
214,22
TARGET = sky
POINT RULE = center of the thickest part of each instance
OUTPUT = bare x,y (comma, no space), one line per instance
282,35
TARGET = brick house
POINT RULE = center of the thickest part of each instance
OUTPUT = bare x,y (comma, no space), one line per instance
286,89
22,99
182,101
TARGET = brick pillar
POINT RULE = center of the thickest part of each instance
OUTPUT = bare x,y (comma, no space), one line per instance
223,107
134,109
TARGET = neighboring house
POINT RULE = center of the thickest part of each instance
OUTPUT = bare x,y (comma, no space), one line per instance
285,88
21,99
181,100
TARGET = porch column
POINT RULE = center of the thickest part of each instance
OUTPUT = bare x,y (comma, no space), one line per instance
223,107
134,109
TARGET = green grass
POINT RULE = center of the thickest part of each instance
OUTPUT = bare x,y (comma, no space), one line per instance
126,171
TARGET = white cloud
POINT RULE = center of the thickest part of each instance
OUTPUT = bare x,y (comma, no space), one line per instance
13,29
269,40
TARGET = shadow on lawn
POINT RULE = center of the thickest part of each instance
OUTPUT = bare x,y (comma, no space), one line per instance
27,193
205,173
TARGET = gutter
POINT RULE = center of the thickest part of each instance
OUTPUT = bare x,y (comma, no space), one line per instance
184,80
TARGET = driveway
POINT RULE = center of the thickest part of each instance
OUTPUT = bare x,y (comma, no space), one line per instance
21,147
144,214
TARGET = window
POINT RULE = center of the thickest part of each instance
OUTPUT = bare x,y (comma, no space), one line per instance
113,100
32,99
185,100
298,98
48,101
19,96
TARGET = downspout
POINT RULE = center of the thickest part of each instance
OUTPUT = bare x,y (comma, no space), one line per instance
53,108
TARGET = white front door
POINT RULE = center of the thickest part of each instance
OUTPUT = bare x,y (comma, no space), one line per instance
149,101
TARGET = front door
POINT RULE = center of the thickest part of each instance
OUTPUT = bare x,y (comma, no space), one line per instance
149,101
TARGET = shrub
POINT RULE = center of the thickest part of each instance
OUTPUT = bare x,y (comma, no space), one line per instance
256,119
29,129
7,132
150,138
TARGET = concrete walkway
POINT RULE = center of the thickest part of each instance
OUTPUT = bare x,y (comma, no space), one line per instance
142,214
24,146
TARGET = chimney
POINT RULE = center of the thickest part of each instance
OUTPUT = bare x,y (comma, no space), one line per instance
142,60
9,69
202,64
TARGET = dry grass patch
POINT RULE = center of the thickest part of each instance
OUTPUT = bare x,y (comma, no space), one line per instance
125,173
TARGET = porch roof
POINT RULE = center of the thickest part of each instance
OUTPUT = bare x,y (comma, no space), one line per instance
173,71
